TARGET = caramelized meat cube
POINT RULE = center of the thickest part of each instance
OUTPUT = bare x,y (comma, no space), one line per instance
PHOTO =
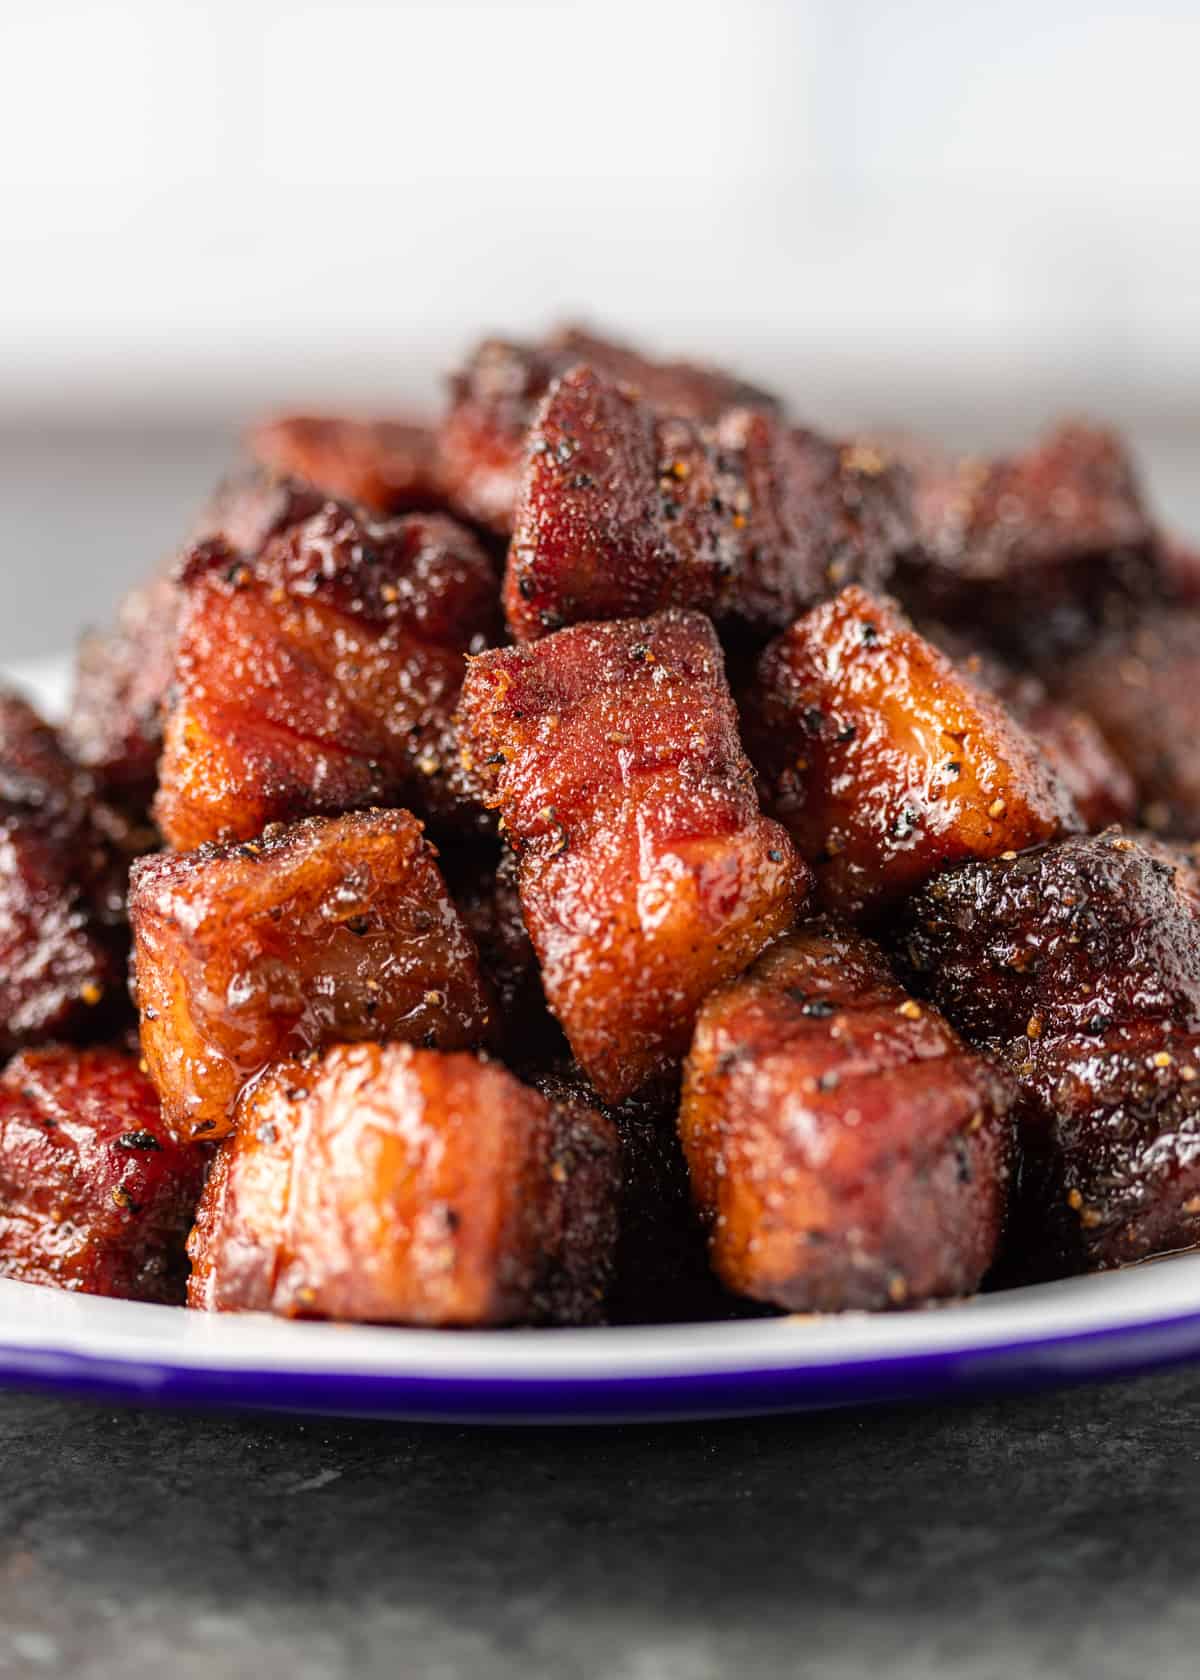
495,397
332,929
625,511
884,762
845,1147
1079,965
122,676
404,1186
95,1195
389,465
1143,690
323,676
1035,551
647,873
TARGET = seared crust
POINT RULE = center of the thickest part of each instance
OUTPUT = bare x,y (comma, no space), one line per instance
322,677
334,929
626,510
494,398
1079,965
647,873
404,1186
845,1147
389,465
95,1195
885,762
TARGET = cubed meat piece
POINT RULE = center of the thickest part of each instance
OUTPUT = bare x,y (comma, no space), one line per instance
1079,966
388,465
847,1150
61,892
494,398
122,675
95,1195
322,677
1143,690
331,930
646,871
625,511
1034,552
393,1185
884,761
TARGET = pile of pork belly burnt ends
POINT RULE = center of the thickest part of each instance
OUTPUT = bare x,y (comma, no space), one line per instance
612,854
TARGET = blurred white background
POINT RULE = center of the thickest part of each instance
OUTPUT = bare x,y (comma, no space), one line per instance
960,216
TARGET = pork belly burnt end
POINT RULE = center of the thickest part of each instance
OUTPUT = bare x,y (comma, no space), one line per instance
95,1195
388,465
886,763
333,929
495,397
62,946
646,871
1079,965
323,676
625,511
1143,690
845,1147
1036,551
404,1186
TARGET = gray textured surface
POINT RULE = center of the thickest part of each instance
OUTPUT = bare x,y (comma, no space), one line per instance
1054,1536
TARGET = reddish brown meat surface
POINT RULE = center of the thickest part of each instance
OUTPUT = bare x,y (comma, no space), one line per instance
404,1186
333,929
625,510
1079,966
494,398
94,1193
322,677
389,465
845,1147
884,761
647,873
1142,687
1035,551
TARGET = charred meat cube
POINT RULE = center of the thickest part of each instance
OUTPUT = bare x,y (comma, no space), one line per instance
885,762
494,399
388,465
845,1147
646,871
122,675
322,677
1079,965
1143,690
393,1185
95,1194
333,929
61,892
1035,551
625,511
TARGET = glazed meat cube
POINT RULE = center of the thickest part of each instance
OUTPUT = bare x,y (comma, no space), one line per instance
389,465
61,945
1079,965
114,725
1036,551
322,677
95,1195
886,763
334,929
625,511
647,874
1143,690
495,397
404,1186
845,1147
